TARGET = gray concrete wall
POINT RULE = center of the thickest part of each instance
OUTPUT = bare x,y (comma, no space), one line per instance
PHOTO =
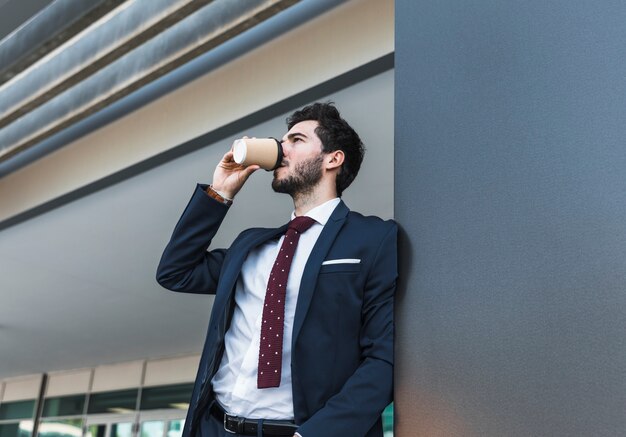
510,185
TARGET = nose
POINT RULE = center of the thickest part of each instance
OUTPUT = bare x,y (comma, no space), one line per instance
279,153
285,146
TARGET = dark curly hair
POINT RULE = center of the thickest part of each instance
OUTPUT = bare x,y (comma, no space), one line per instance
335,134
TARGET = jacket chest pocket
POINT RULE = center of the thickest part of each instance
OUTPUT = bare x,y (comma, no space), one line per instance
340,284
340,268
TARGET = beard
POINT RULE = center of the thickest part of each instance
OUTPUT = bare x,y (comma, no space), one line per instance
307,175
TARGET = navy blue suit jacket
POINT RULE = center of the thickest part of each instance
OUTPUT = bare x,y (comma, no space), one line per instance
342,351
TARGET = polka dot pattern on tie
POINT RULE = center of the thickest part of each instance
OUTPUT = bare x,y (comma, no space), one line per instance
269,372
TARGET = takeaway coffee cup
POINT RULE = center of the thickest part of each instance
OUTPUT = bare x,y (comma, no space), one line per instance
265,152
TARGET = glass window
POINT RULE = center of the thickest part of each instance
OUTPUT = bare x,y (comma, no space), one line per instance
167,396
122,429
96,431
17,410
175,428
120,402
64,406
9,430
18,429
388,420
153,428
61,428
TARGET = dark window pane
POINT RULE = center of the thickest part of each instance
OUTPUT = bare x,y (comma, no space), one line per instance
96,431
169,396
122,401
19,429
61,428
64,406
9,430
17,410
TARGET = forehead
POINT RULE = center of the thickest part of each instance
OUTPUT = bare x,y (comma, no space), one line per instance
306,127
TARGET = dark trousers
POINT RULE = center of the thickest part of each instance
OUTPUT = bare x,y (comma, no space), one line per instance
211,427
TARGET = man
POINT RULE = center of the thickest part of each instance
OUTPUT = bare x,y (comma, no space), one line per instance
300,340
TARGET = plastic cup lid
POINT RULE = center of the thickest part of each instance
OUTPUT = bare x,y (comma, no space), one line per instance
239,151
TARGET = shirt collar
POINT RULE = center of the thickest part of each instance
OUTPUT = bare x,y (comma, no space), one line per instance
321,213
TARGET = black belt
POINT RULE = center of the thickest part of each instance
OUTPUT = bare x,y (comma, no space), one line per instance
241,425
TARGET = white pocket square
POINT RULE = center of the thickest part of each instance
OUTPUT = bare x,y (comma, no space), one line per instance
342,261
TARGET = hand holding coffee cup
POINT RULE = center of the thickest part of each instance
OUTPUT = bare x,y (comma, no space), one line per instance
229,176
267,153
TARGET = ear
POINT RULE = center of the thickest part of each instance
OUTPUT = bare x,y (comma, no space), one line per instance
334,159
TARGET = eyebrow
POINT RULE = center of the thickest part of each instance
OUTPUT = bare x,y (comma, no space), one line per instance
295,134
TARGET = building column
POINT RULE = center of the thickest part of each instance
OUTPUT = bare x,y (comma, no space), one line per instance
510,189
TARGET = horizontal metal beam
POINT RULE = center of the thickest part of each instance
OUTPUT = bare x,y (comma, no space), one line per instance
107,41
196,34
305,10
52,27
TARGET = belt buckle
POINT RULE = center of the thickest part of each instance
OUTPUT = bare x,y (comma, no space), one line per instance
240,424
225,422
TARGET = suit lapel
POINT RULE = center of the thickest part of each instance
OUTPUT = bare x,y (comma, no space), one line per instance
312,268
238,256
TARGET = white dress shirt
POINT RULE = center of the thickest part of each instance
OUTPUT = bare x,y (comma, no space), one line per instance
235,383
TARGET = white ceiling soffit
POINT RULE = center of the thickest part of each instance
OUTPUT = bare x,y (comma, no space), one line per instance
77,288
133,45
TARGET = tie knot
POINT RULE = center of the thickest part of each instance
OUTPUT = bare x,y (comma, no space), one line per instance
301,224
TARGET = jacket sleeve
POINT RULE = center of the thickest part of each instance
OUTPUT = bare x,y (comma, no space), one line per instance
359,404
186,265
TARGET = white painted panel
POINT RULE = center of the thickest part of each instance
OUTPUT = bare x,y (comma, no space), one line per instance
68,383
117,376
22,389
171,371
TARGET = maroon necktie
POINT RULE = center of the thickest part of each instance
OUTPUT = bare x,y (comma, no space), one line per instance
271,348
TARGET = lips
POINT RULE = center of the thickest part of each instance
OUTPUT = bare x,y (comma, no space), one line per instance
278,168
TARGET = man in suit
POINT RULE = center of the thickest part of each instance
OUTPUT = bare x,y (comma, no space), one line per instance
300,339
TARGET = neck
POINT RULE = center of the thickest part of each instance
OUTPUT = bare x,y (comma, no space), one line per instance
304,202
